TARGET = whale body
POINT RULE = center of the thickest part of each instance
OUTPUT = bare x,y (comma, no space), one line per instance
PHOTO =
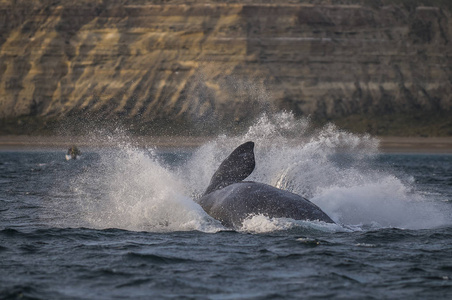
231,200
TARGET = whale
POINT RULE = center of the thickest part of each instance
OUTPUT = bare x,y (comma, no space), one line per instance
230,199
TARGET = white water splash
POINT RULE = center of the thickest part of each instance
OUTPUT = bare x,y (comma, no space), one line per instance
332,168
264,224
134,190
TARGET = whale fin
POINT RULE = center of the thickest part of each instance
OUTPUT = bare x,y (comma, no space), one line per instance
236,167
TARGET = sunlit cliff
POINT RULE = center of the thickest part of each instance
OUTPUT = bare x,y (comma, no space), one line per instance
377,66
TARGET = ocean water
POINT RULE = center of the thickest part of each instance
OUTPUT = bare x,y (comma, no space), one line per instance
123,223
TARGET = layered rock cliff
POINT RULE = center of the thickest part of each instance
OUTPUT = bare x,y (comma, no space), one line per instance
368,65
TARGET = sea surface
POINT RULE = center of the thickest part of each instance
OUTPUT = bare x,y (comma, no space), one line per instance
123,223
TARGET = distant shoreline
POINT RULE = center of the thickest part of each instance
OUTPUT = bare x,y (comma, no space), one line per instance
387,144
416,144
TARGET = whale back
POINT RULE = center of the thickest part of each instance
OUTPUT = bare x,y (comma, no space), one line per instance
231,205
235,168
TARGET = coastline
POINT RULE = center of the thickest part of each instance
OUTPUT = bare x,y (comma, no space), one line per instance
24,142
439,145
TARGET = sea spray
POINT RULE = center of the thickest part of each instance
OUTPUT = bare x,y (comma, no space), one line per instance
334,169
134,189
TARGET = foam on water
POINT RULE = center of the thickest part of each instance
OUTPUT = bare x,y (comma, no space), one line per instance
263,224
133,189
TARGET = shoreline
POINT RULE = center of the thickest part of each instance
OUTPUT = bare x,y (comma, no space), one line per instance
434,145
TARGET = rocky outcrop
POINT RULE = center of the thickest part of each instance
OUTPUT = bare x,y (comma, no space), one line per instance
214,63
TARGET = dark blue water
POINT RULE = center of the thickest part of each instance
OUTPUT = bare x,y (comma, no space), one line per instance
90,229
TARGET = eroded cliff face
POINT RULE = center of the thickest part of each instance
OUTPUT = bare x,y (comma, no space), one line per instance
222,62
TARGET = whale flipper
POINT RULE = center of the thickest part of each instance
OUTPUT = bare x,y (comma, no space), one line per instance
231,200
235,168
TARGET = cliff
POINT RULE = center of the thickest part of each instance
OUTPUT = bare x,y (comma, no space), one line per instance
166,66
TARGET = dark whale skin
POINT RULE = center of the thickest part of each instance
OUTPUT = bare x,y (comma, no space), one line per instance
234,203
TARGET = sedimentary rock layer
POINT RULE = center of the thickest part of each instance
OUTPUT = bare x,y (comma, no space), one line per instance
223,61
